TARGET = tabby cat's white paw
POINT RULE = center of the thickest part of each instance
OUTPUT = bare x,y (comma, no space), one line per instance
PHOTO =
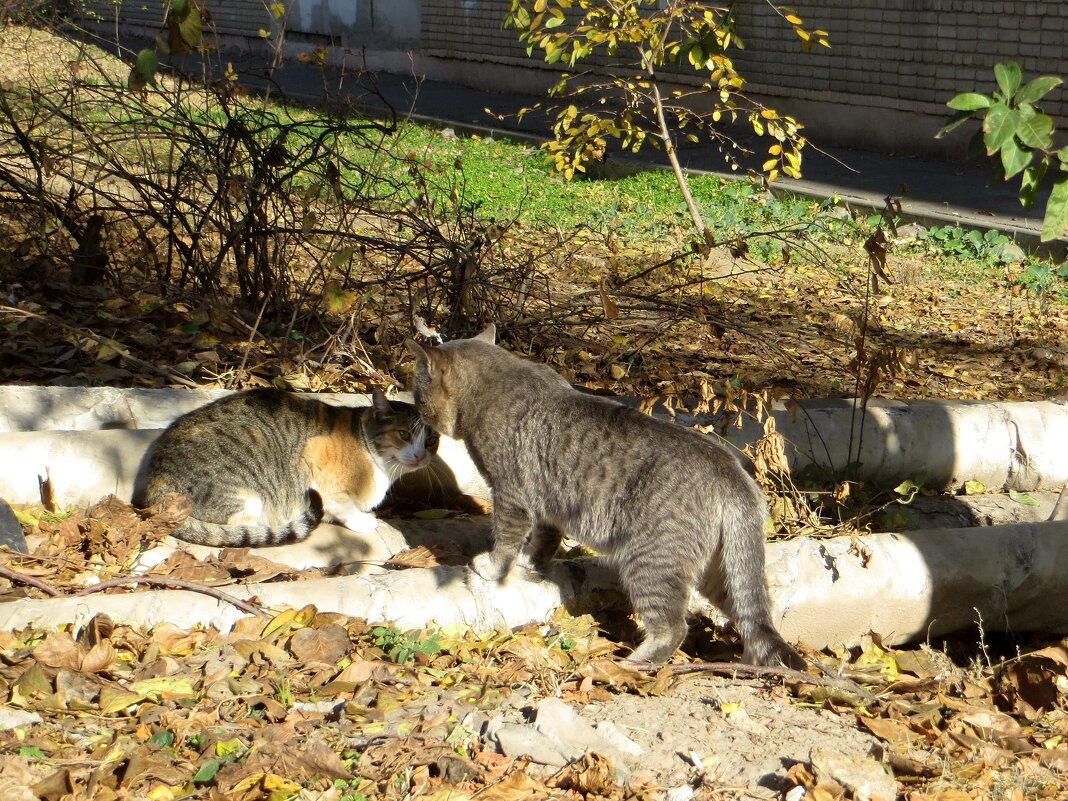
487,567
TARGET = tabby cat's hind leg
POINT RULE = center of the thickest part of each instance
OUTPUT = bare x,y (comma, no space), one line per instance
659,589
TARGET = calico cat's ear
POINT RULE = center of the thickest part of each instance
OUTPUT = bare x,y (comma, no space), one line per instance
488,334
380,402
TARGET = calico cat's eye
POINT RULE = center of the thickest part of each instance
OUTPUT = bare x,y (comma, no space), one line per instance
404,436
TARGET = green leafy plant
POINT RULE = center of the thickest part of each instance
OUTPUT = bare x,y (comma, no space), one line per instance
627,46
987,247
1021,136
1044,278
402,646
348,789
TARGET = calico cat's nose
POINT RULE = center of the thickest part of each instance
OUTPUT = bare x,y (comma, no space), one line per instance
412,458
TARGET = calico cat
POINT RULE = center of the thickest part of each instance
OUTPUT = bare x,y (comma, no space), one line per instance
265,467
671,508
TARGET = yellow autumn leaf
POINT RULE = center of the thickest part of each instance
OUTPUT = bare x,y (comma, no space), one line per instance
164,687
116,699
224,748
274,782
285,619
246,784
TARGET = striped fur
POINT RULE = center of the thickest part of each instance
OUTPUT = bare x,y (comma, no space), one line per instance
671,508
265,467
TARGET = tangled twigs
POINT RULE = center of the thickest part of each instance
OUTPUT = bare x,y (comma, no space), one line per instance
732,669
155,581
48,589
43,586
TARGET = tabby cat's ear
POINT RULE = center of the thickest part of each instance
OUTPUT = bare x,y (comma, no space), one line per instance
417,350
488,334
423,357
380,402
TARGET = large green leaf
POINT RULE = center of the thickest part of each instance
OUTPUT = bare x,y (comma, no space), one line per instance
1036,131
184,28
1032,178
1014,158
999,127
958,119
1055,223
969,101
1008,77
1038,88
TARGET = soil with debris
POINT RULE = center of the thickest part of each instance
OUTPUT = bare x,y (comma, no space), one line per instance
726,732
311,705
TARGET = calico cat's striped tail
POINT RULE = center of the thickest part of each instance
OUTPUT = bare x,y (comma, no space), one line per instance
218,535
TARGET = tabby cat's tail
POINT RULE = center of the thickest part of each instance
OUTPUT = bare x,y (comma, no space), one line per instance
219,535
746,586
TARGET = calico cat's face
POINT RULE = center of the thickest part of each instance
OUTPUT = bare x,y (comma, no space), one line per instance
400,439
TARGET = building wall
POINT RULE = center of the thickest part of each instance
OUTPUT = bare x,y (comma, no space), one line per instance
883,83
392,25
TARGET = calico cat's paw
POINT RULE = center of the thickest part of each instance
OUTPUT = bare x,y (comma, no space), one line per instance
360,522
489,568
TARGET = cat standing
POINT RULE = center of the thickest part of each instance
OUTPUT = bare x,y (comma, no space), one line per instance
671,508
265,467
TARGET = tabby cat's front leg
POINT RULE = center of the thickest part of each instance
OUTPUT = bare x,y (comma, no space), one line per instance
511,524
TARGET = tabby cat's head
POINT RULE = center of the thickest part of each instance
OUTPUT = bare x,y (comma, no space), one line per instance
401,441
442,375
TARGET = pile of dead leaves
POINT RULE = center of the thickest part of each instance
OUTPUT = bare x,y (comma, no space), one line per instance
307,704
303,702
100,548
998,730
314,705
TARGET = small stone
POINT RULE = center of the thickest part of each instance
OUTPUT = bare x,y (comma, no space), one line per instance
683,792
15,718
910,232
839,213
515,740
866,778
1011,253
11,534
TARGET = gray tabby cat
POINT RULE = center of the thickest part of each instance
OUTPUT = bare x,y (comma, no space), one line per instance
672,508
265,467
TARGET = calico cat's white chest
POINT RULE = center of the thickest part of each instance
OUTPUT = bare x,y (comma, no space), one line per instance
379,486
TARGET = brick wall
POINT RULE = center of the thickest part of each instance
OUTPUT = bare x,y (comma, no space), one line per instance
892,64
883,84
906,51
469,29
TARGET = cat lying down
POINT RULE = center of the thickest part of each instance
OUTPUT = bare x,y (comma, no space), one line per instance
265,467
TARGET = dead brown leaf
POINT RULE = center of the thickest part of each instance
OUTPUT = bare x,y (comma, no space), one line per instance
60,650
327,644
